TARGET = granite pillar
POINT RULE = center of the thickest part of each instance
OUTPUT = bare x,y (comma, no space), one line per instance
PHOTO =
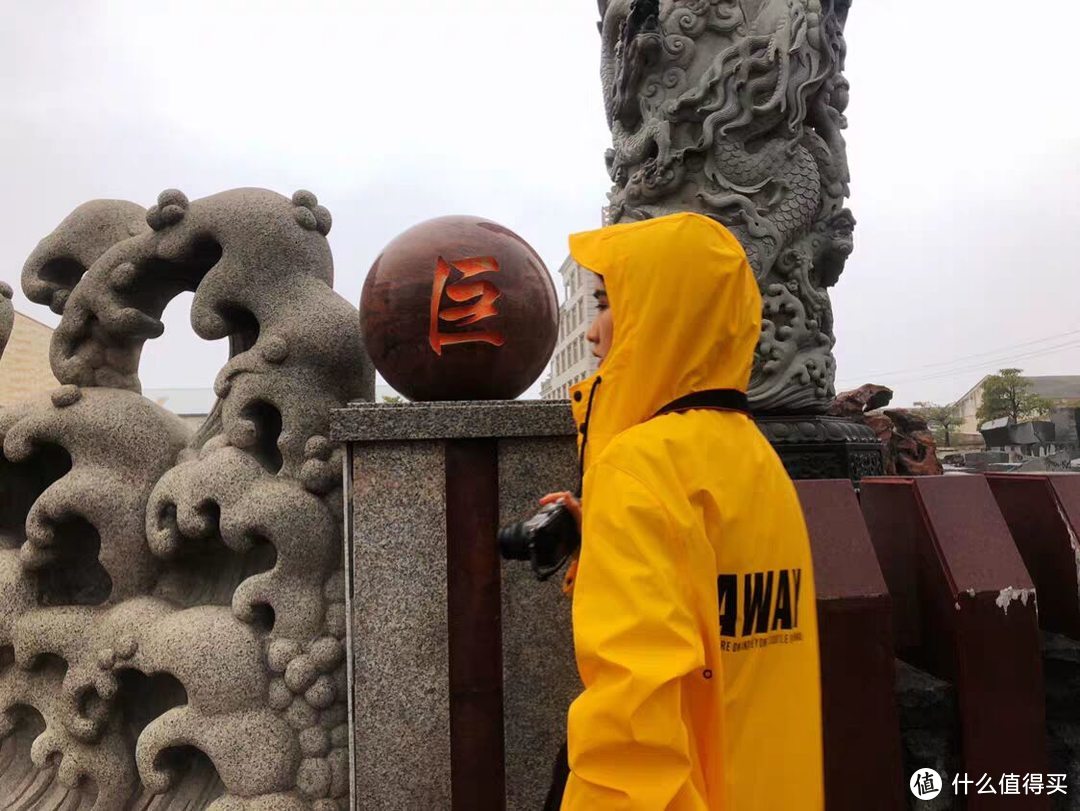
443,715
398,619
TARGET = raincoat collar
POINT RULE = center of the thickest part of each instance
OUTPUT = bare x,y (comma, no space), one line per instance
687,317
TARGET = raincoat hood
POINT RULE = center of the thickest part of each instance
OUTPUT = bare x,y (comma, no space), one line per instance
686,313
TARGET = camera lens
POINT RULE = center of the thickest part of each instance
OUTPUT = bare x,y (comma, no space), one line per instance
514,542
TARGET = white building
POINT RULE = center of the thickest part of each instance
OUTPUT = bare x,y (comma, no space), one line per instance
1063,391
573,360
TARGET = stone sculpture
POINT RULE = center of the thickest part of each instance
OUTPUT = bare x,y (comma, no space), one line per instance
459,308
172,615
910,448
7,315
908,443
734,108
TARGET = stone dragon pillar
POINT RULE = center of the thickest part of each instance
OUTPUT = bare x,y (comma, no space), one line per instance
735,109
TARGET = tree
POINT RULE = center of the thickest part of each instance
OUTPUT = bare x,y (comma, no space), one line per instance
1007,394
939,417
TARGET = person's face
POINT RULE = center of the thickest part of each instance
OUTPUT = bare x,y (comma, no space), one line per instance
601,330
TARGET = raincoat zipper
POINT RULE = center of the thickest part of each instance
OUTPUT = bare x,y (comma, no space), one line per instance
585,434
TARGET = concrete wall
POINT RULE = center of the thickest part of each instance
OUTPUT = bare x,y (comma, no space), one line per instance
968,405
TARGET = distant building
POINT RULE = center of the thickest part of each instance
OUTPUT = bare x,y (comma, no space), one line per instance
195,405
1020,439
24,367
573,360
1063,391
1066,423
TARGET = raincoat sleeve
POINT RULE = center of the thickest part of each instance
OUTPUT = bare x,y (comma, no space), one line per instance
635,638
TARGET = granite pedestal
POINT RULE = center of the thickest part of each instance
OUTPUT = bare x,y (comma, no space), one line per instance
462,666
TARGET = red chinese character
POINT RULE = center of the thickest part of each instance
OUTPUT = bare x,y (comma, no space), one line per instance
477,299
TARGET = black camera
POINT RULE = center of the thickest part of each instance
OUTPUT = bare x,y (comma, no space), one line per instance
546,540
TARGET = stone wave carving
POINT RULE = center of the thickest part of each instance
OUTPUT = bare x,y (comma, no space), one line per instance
734,109
172,615
7,315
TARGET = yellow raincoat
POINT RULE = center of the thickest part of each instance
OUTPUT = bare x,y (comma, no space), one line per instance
695,625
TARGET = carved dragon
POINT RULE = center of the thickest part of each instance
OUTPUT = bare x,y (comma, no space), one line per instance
734,108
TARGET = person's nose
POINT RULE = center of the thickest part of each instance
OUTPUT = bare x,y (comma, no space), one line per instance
593,335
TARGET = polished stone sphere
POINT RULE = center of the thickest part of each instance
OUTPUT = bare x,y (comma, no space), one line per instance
459,308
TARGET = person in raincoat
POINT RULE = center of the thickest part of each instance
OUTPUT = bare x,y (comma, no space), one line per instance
695,626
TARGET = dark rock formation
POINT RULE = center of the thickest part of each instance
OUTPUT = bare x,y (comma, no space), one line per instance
910,449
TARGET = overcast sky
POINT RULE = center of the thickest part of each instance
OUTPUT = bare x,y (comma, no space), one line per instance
964,145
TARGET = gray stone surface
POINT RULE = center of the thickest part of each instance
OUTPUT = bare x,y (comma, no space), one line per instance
1061,666
361,422
928,728
398,604
7,315
172,607
736,111
401,693
540,675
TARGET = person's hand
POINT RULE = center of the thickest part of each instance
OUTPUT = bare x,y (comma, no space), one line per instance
569,500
